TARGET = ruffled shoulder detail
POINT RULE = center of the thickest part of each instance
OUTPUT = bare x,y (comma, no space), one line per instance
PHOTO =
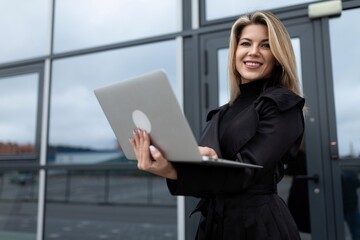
282,97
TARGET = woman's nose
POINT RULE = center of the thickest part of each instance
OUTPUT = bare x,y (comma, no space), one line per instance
254,50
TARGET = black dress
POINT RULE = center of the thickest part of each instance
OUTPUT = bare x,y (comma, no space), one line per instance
261,127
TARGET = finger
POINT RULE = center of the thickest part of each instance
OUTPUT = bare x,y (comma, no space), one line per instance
132,143
136,137
155,153
137,142
212,153
144,140
160,165
206,151
144,161
135,149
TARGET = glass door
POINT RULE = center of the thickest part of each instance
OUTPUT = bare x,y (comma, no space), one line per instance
302,187
345,126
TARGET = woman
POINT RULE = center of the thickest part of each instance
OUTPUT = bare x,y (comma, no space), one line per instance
261,124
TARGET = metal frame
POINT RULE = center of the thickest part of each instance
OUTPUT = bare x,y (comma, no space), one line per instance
21,70
334,166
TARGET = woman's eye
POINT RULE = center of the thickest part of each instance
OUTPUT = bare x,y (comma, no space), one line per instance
266,45
245,44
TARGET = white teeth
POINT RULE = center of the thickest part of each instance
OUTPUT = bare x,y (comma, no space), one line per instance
252,64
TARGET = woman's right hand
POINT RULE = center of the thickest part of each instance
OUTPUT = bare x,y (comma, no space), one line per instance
209,152
150,158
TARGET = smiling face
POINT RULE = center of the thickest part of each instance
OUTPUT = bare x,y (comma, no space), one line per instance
254,59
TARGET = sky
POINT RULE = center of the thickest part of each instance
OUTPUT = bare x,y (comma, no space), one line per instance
24,26
217,9
18,103
73,104
97,22
75,116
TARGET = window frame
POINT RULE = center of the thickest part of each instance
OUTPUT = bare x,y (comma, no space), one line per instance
17,71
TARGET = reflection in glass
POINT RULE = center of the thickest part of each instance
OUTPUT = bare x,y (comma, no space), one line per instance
227,8
125,186
346,74
18,205
18,108
223,76
83,24
297,51
115,204
24,29
350,182
79,131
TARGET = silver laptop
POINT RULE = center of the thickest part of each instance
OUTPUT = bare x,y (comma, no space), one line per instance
148,102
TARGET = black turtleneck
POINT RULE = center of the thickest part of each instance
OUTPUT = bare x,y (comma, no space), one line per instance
249,92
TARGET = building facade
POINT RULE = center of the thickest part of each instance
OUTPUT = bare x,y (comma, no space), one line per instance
62,172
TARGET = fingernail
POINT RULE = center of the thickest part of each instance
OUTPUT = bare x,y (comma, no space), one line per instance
144,133
152,148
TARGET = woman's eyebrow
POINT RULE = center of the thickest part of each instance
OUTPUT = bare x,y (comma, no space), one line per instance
248,39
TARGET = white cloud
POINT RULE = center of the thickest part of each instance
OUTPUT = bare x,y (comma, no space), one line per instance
76,117
18,108
24,26
218,9
82,24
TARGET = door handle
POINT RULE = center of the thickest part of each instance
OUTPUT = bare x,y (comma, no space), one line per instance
334,153
314,178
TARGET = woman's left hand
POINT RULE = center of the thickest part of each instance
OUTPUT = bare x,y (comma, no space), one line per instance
209,152
149,158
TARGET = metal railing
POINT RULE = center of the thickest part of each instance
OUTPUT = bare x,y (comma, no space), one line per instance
120,186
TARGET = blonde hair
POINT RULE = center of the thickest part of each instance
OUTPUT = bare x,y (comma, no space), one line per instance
280,45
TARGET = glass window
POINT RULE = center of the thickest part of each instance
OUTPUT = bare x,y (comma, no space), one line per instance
24,27
221,9
18,111
83,24
297,51
79,131
350,183
345,54
18,205
108,204
223,76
